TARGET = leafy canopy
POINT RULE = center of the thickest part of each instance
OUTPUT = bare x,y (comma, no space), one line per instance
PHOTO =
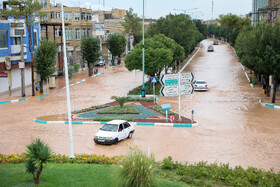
90,49
116,44
45,59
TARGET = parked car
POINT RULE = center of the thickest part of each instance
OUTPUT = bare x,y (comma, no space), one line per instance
101,62
114,131
200,85
216,42
210,48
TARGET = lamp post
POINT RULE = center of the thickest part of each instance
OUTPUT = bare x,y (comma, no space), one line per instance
67,86
143,88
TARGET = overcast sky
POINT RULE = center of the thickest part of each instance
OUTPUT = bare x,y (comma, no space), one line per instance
201,9
158,8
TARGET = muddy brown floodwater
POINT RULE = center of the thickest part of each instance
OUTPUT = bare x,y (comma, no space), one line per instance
234,127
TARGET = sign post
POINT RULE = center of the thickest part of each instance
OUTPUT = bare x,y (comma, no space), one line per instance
166,107
179,101
154,81
192,116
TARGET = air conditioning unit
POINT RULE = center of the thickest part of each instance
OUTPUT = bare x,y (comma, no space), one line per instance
16,32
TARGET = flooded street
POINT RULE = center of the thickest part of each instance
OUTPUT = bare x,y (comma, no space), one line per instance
233,127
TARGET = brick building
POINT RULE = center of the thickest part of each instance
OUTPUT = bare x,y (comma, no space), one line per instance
78,24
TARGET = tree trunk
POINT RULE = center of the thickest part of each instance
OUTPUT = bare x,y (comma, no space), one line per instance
267,86
274,90
150,86
41,87
113,60
37,181
32,64
90,71
119,60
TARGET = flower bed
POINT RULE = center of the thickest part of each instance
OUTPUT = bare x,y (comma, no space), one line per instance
126,109
58,158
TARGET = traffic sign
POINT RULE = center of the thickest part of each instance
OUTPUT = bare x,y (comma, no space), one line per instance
166,106
154,80
3,75
172,90
173,79
172,118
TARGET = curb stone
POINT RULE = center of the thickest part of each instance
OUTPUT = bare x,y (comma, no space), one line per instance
13,101
269,105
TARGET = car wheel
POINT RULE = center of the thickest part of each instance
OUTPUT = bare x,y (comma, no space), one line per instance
116,141
130,135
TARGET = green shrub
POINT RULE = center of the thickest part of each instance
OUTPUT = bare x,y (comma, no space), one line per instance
167,163
136,169
102,118
158,109
126,109
148,99
70,72
76,67
90,109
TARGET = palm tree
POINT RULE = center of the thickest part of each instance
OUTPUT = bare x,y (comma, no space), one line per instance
120,100
38,153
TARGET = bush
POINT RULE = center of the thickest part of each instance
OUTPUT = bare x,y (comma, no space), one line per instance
167,163
158,109
76,67
136,169
90,109
102,118
148,99
70,72
126,109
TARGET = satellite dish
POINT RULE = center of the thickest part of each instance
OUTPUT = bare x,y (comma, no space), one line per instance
8,63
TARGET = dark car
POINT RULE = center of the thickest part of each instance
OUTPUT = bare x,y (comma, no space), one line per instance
216,42
210,48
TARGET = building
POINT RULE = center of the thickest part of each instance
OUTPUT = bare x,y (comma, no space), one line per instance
10,52
265,11
78,24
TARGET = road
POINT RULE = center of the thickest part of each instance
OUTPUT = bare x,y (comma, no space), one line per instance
233,129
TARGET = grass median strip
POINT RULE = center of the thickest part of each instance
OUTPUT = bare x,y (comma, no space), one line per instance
90,109
126,109
158,108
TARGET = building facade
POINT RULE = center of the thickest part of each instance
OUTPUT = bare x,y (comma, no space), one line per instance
10,52
78,24
265,11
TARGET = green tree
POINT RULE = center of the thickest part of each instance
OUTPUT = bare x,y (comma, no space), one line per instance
38,153
116,45
132,25
179,28
45,60
28,10
90,52
120,100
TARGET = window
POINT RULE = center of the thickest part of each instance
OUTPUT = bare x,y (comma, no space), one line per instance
57,15
68,16
17,40
89,32
88,16
19,31
44,18
83,16
126,125
84,33
35,40
57,32
44,3
3,39
69,34
52,15
78,34
77,16
43,27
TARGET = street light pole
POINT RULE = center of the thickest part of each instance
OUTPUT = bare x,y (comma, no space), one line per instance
67,87
143,88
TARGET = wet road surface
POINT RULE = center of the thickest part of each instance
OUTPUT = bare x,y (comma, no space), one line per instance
234,127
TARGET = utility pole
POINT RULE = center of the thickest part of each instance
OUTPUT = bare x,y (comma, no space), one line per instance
22,68
212,8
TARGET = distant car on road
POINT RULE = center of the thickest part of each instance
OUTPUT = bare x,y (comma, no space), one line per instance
101,62
210,48
114,131
200,85
216,42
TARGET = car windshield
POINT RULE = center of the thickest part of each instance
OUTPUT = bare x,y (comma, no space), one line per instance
200,82
110,127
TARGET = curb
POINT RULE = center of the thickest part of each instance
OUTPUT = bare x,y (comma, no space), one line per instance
141,95
134,123
189,60
96,75
43,95
13,101
269,105
242,67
